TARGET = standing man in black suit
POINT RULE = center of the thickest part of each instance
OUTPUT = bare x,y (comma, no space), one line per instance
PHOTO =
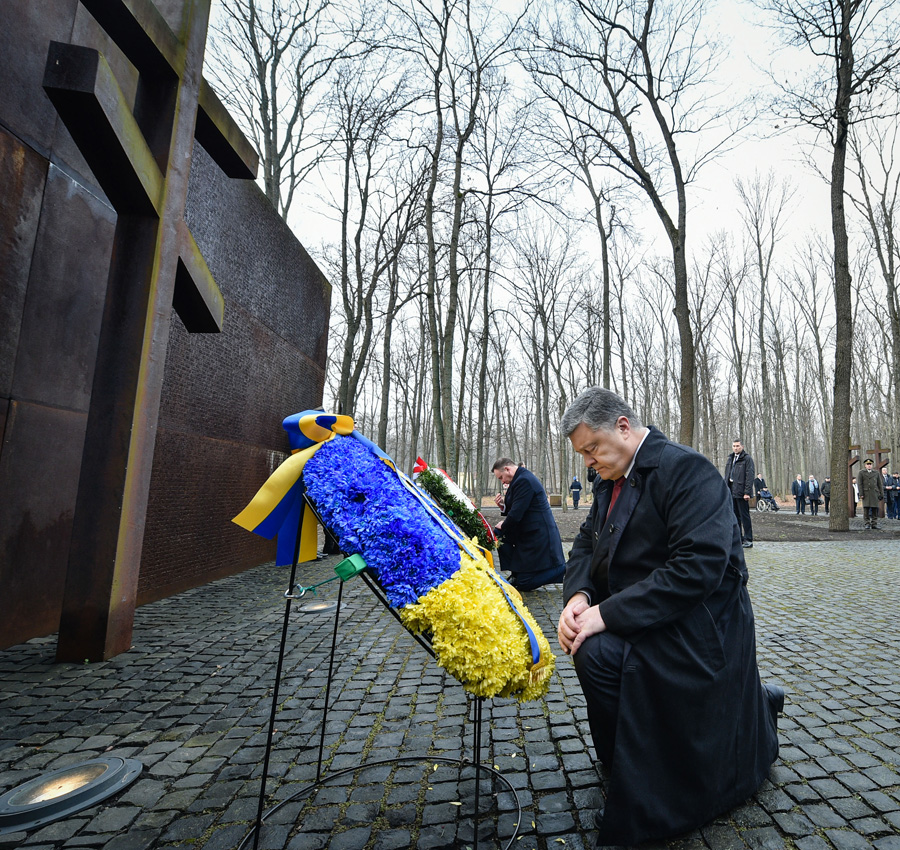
889,495
659,623
530,545
739,474
798,491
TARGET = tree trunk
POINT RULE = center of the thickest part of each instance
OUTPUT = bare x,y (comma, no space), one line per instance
838,519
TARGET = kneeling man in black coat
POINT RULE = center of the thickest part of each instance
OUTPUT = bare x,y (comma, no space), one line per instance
530,545
659,623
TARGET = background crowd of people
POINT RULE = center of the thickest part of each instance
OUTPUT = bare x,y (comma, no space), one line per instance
870,488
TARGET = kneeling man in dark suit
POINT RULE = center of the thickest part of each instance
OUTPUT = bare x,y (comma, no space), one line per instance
530,545
659,623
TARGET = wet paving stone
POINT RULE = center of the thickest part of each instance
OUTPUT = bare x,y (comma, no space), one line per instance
192,699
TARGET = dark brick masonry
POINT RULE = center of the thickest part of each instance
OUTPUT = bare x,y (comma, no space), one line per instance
191,701
225,394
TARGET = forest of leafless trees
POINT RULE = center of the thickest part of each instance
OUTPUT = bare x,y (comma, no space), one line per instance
508,194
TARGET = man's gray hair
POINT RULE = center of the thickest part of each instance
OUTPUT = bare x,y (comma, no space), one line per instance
599,409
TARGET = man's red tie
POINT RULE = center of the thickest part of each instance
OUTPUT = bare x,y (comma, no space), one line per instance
617,488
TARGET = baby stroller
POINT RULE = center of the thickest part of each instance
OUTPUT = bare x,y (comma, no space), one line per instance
765,501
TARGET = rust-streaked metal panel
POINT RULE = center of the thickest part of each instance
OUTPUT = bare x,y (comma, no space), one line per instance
26,30
22,176
4,412
39,462
61,318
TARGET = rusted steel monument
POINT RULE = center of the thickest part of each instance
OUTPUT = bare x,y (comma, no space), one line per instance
157,320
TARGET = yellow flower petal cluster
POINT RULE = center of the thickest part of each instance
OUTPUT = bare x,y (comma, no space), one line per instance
478,638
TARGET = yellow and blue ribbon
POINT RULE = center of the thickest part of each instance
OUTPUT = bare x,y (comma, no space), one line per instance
278,506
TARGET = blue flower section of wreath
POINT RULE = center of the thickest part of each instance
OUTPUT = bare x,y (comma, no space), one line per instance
364,503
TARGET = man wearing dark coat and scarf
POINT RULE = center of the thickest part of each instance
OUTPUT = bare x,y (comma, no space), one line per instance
659,623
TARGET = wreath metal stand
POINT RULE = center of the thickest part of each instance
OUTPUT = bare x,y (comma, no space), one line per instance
289,596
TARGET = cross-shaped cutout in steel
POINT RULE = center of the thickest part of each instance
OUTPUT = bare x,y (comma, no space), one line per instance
141,157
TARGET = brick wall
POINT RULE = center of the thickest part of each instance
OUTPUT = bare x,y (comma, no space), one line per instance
225,395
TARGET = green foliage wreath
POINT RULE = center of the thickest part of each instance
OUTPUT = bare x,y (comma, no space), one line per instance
467,519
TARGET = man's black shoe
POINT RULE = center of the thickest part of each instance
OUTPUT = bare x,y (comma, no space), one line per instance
747,544
775,695
598,817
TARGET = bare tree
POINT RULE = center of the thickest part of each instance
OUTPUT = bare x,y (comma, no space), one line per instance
376,220
710,272
765,204
874,147
581,156
814,301
271,64
452,44
499,190
403,216
637,71
545,299
857,45
737,316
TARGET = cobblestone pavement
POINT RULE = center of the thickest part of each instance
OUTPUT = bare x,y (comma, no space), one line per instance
191,700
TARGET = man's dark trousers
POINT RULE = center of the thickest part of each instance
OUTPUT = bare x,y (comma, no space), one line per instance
532,581
599,665
742,512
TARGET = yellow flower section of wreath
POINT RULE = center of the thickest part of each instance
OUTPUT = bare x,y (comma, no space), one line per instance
478,638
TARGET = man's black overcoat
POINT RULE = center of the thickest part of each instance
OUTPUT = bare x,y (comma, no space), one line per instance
529,536
740,470
695,735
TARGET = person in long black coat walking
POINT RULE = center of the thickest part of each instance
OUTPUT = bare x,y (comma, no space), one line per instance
530,545
826,492
659,623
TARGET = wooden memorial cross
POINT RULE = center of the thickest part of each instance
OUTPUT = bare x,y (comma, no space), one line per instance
141,158
852,460
879,465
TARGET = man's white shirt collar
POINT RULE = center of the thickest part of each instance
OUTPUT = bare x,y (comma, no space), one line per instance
634,456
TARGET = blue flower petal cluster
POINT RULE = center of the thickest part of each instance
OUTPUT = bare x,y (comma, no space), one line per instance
364,503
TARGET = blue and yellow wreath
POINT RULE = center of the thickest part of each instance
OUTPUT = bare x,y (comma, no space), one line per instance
441,582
